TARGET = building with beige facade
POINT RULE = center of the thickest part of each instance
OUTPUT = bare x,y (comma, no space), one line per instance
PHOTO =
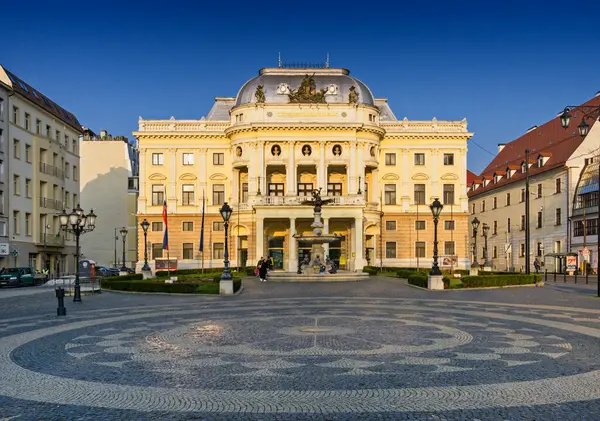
290,131
557,158
109,185
42,167
4,123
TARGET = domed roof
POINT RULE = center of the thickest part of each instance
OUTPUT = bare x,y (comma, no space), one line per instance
278,82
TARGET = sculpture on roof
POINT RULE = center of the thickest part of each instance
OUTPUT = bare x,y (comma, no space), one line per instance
353,95
260,94
307,92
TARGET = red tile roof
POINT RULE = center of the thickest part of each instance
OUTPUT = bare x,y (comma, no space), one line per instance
550,140
470,177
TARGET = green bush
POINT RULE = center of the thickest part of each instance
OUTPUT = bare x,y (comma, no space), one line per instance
497,280
153,285
418,278
135,276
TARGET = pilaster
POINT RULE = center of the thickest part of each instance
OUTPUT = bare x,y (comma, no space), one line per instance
293,257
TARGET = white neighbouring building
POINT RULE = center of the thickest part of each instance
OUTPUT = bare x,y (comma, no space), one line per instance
41,161
557,158
4,123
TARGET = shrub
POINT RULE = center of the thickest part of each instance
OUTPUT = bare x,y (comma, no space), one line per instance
153,285
496,280
418,278
135,276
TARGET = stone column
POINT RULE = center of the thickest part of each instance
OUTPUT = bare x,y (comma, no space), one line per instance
463,187
142,182
252,170
351,170
406,184
322,169
290,171
326,231
261,169
260,238
235,187
358,243
202,174
172,189
375,186
293,248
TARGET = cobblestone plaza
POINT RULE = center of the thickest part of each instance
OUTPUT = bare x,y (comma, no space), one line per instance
370,350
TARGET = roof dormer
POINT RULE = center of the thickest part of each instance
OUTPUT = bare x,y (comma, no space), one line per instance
542,158
487,179
511,170
498,176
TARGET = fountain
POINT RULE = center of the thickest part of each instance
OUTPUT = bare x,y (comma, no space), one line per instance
319,267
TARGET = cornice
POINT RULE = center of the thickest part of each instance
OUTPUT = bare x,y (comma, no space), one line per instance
325,126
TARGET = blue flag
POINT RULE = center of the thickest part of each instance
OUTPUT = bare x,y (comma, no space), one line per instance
165,244
201,249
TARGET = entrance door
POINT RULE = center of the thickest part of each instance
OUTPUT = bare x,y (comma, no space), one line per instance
243,257
335,254
276,251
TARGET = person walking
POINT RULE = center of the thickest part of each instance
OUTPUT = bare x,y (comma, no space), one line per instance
262,270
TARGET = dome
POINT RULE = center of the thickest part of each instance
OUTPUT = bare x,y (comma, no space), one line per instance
278,81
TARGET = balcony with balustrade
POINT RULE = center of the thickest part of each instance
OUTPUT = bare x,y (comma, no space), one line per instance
52,170
48,203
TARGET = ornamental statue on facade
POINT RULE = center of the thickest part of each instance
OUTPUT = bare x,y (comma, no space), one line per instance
307,92
260,94
353,95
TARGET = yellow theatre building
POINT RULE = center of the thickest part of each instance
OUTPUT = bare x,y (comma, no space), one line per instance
290,131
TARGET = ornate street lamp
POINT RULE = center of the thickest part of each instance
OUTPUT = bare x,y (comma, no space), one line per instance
475,224
226,212
486,230
77,223
124,236
145,224
589,112
436,209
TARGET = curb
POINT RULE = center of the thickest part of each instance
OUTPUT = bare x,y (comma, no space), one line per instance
476,289
179,294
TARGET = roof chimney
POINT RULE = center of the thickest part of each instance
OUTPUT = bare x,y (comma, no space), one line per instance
501,146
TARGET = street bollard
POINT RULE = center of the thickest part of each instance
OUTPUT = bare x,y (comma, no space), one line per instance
545,275
565,276
575,276
60,296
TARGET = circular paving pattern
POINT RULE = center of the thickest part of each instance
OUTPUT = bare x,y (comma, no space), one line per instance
309,356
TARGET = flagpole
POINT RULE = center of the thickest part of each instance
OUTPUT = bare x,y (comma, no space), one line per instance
202,231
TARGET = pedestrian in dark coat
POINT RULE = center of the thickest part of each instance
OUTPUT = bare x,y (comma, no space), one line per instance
262,270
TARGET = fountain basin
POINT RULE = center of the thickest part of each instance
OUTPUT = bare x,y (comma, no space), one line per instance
317,239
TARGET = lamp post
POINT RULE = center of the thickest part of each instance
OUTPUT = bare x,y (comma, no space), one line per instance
475,224
589,113
77,223
145,224
436,208
486,230
124,236
226,212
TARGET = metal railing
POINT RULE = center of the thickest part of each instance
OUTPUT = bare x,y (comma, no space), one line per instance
46,202
51,170
52,238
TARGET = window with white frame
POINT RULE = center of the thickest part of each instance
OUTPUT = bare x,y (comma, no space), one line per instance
187,194
188,159
448,159
390,249
390,225
157,159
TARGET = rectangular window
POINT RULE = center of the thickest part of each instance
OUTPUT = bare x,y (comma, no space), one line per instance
578,229
48,131
244,192
448,159
592,226
188,251
419,159
16,185
218,159
16,222
157,250
390,159
188,159
390,194
305,189
15,115
557,186
27,122
522,195
38,126
473,209
507,199
558,216
187,194
483,206
74,146
495,252
218,251
449,248
158,194
27,224
390,249
508,225
448,194
521,250
539,249
539,190
276,189
67,170
419,225
522,222
75,176
157,159
218,226
157,226
218,194
334,189
28,153
28,188
16,149
188,226
539,219
419,193
495,228
495,203
66,142
420,249
390,225
57,137
449,225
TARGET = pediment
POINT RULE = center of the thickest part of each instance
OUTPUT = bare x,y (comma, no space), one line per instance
449,176
188,177
157,176
391,176
218,176
420,177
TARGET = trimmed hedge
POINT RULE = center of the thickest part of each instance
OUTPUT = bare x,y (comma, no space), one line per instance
418,278
167,273
152,285
497,280
132,277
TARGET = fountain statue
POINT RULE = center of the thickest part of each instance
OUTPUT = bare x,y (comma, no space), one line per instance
318,260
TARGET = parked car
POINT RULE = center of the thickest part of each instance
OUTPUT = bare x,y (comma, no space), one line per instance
104,271
17,277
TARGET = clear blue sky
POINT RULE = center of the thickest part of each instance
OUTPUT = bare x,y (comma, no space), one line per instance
505,66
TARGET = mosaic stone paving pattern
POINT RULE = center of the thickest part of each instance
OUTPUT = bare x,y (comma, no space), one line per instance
306,357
